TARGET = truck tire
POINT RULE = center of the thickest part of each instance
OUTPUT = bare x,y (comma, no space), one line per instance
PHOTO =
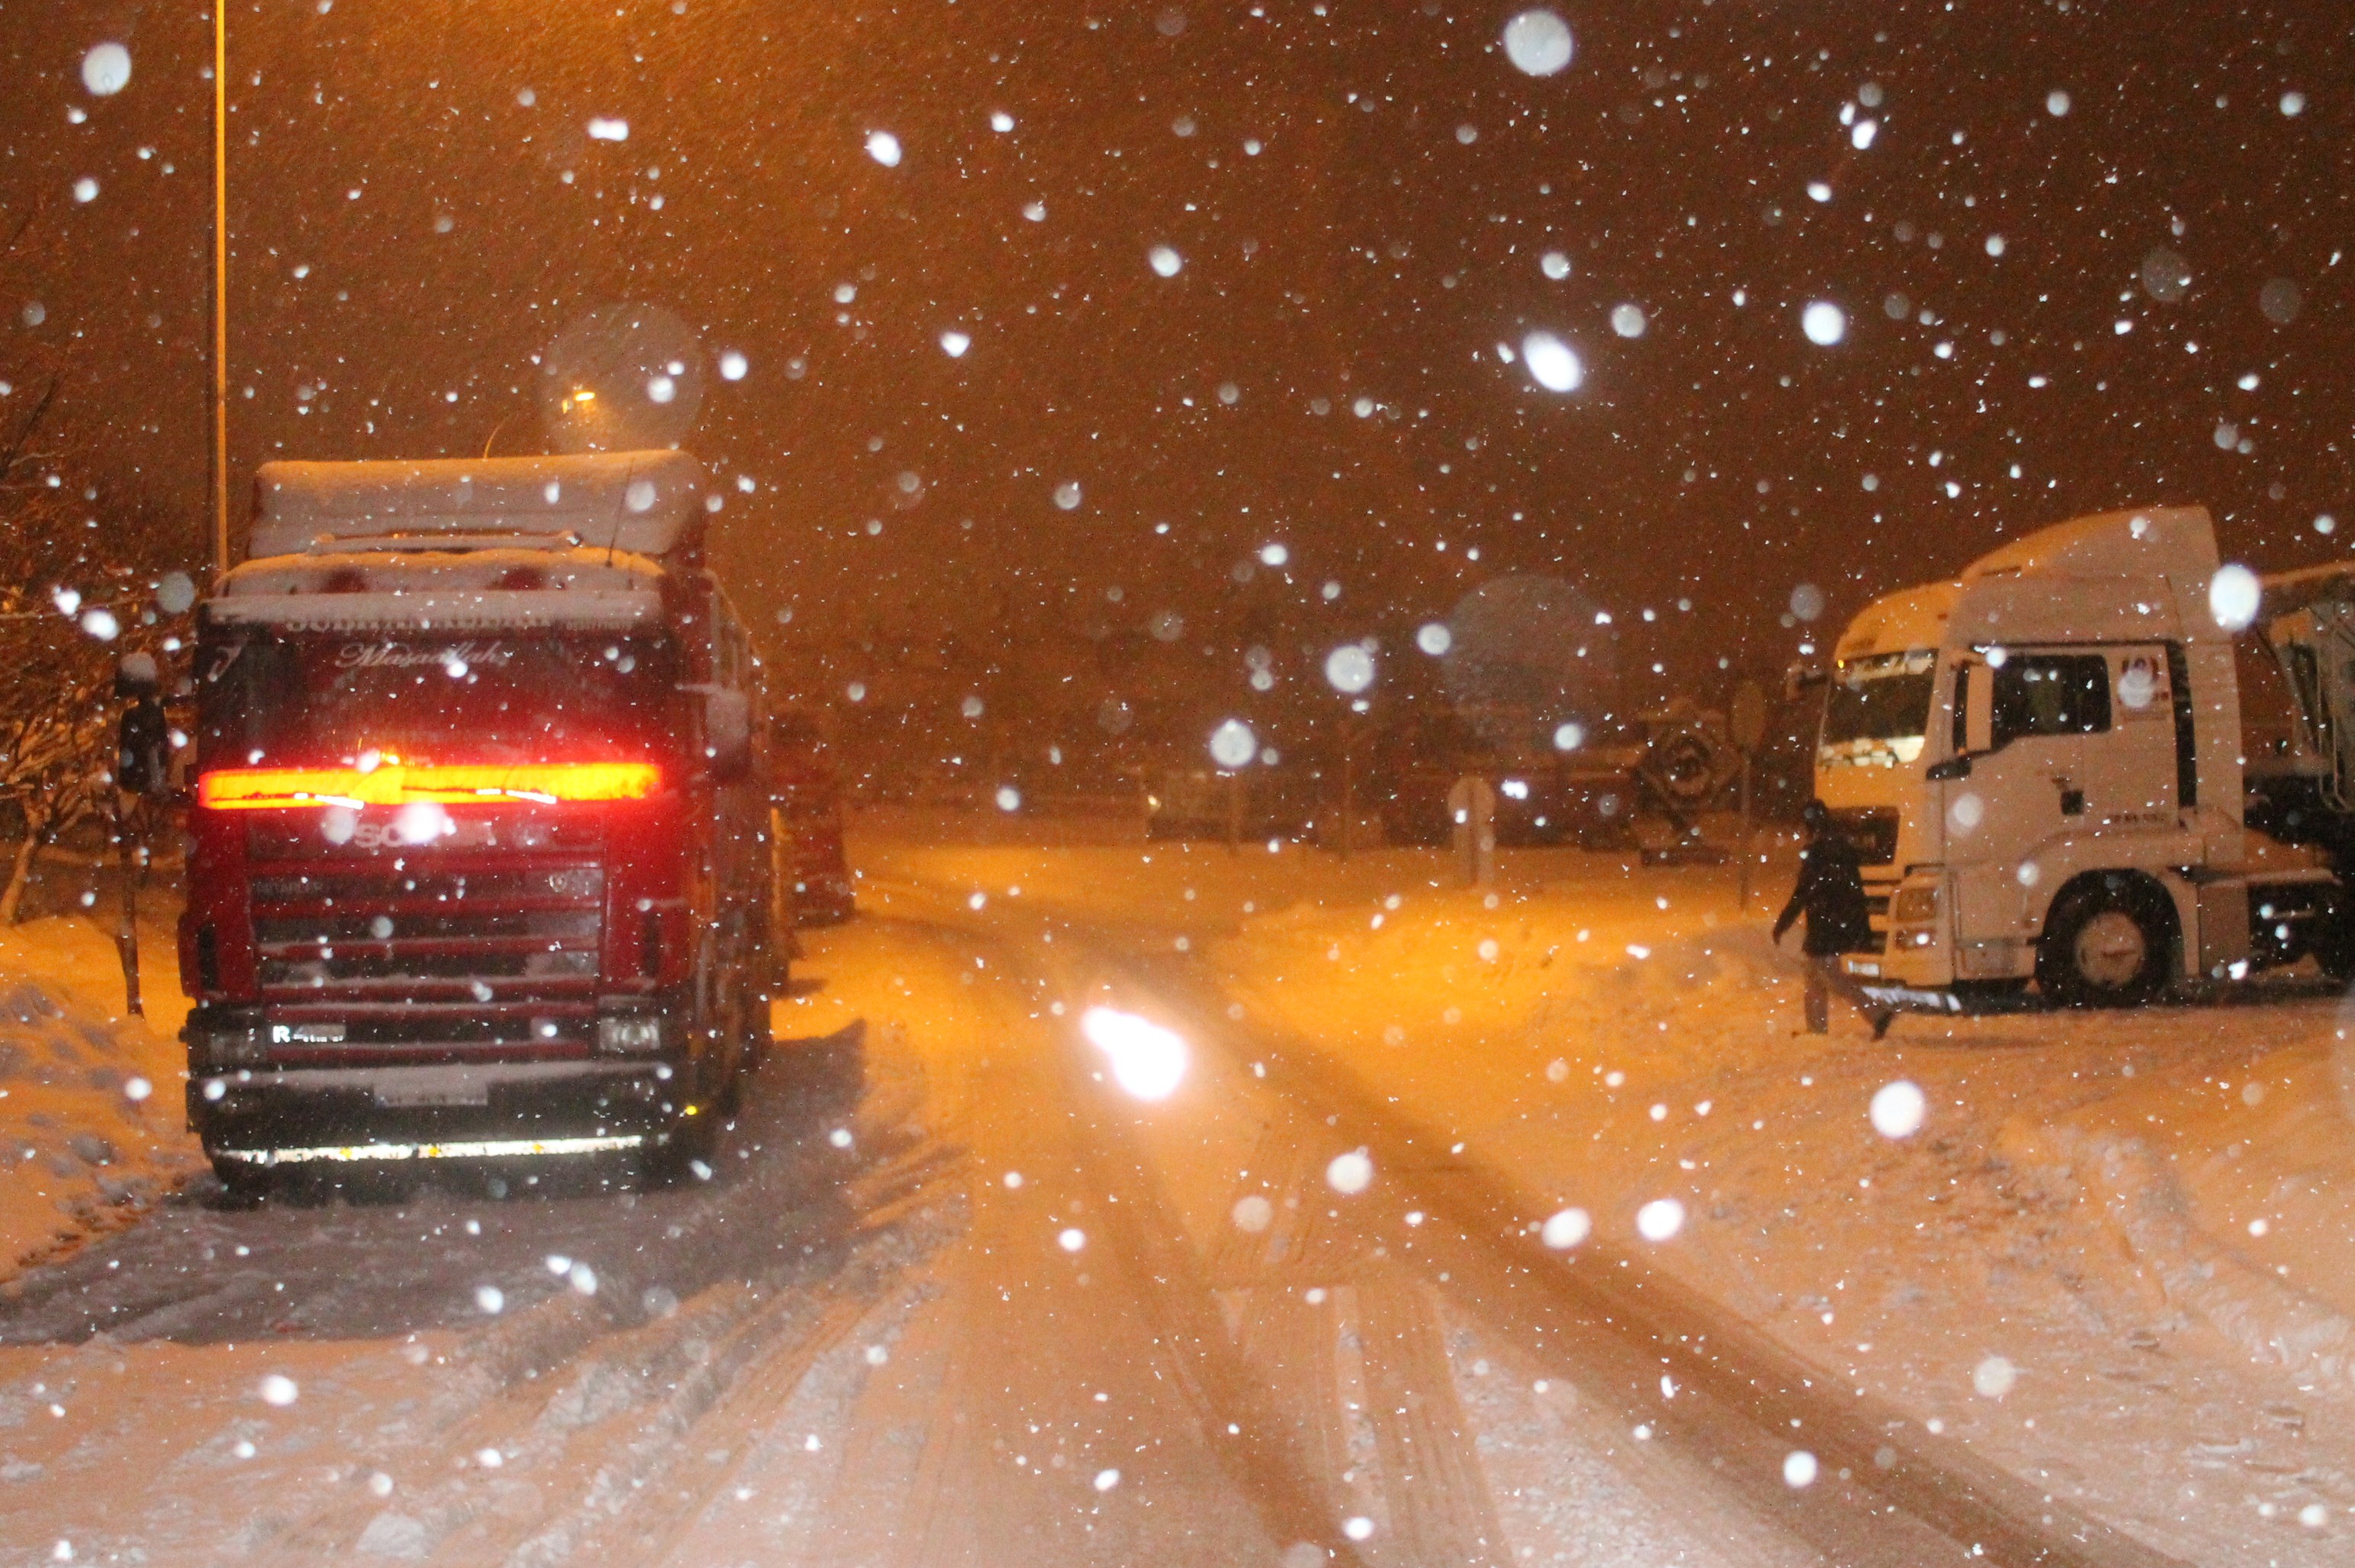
2107,943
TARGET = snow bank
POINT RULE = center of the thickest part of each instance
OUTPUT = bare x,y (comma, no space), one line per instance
91,1124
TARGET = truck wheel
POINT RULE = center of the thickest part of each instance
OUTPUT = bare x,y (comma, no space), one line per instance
2105,944
243,1183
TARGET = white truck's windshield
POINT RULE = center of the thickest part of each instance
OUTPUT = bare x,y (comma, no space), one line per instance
1878,710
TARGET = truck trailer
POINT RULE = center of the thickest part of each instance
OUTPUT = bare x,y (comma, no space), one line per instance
2099,763
479,865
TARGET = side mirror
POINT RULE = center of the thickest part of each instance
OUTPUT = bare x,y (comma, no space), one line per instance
1950,770
727,732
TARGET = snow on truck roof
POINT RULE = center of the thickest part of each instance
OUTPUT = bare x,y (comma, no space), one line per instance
2136,542
647,503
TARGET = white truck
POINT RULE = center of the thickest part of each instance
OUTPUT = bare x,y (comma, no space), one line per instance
2092,763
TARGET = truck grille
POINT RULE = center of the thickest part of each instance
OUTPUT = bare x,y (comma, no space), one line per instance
486,940
1872,829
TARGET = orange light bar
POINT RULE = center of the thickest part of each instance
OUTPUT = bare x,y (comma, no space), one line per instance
403,783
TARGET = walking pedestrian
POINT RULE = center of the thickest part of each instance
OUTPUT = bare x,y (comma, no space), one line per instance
1830,894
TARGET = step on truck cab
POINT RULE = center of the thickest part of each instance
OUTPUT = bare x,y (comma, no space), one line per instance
2044,763
479,865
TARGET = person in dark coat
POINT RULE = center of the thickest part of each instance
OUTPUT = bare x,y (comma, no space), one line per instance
1830,894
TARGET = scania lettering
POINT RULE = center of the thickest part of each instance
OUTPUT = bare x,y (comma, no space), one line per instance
480,866
2064,770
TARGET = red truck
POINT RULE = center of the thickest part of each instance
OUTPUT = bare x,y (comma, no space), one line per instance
480,865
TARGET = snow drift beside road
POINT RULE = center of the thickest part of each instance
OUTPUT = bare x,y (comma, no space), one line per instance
91,1126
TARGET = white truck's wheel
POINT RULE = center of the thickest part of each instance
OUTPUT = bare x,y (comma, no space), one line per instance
2107,944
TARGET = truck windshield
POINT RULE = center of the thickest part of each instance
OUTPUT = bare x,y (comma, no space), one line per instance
317,701
1878,710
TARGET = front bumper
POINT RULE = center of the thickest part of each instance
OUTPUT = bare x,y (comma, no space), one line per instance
277,1114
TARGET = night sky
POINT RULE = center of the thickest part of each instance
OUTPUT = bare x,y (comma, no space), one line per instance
409,233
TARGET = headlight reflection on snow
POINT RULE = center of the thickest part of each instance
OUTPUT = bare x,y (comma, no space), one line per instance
1146,1060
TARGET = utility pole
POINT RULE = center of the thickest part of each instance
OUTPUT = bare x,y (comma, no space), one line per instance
1749,727
220,287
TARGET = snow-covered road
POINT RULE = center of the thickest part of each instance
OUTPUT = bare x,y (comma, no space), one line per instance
968,1287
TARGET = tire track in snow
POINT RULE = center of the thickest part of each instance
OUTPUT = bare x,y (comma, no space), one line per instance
1886,1493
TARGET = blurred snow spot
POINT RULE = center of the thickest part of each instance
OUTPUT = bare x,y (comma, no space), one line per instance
1467,133
1565,1228
1067,495
1107,1479
2280,301
2166,276
839,1138
1036,211
1799,1469
85,189
884,148
1993,1376
1165,260
2232,595
1819,191
732,366
1008,798
1554,264
1000,121
1273,555
1860,135
1071,1240
490,1297
1807,601
2028,873
100,624
1013,1179
1434,638
1627,320
1349,1173
955,343
135,1089
1147,1060
489,1458
1557,1071
1358,1527
1539,43
661,390
106,69
581,1278
1898,1108
1569,737
1229,394
602,129
1233,745
2292,103
877,1355
640,495
1968,810
279,1389
2056,104
1252,1214
1552,363
1350,669
1824,323
1660,1219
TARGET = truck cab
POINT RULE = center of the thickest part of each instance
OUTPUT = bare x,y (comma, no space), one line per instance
2044,763
479,863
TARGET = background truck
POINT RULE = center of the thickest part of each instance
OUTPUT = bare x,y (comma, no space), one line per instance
479,864
2098,761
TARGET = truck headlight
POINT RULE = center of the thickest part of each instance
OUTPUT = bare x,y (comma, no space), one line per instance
1913,916
628,1034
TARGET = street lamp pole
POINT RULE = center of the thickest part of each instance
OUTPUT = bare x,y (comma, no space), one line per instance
221,286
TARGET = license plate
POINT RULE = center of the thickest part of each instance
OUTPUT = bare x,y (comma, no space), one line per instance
307,1034
1857,966
435,1092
